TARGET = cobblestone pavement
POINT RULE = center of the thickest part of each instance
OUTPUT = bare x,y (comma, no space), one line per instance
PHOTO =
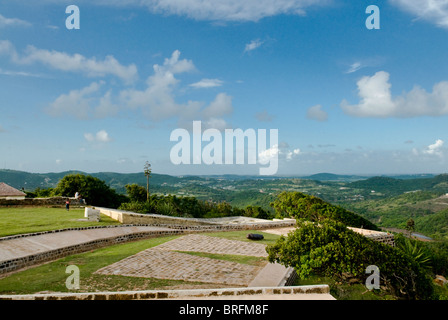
200,243
163,262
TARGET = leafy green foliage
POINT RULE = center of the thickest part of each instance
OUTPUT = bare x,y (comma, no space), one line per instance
93,190
330,249
302,206
415,251
135,192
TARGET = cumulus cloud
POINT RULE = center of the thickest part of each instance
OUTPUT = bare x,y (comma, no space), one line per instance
316,113
264,116
157,101
377,100
254,44
231,10
279,150
75,104
101,137
13,22
207,83
435,148
429,10
70,62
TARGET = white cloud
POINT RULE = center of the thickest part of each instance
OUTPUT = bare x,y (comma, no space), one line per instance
231,10
282,150
221,106
106,107
101,137
266,155
70,62
290,154
434,11
19,73
157,102
354,67
377,100
316,113
58,161
207,83
264,116
254,44
434,149
74,104
6,47
9,22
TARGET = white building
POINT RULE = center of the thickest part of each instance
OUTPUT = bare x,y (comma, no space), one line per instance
10,193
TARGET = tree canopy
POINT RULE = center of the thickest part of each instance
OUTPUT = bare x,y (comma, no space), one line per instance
329,248
93,190
302,206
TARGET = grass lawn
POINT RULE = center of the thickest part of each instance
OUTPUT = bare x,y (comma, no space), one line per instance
51,276
27,220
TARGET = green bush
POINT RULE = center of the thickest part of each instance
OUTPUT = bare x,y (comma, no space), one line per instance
166,208
136,193
311,208
138,207
329,248
93,190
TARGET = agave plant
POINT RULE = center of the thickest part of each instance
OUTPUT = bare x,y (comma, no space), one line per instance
166,209
417,253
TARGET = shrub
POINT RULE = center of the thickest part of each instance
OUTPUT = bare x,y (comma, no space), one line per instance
93,190
302,206
330,249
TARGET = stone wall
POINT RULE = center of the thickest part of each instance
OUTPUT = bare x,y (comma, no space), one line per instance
379,236
19,263
226,293
127,217
40,202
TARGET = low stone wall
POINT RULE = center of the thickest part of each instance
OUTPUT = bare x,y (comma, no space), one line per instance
379,236
19,263
127,217
40,202
225,293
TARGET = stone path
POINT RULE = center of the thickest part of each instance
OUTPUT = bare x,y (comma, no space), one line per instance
163,262
200,243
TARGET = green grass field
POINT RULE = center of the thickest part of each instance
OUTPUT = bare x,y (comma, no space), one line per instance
36,219
51,277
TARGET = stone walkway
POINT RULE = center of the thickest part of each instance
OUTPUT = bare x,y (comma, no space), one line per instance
163,262
200,243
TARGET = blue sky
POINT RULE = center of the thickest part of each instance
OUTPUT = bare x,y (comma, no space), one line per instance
106,97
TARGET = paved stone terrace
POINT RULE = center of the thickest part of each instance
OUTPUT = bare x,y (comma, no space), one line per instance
201,243
163,262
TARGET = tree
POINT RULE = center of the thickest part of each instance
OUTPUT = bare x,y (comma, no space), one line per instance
305,207
330,249
147,170
136,192
410,226
93,190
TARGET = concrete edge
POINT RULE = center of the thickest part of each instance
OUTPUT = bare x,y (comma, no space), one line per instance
176,294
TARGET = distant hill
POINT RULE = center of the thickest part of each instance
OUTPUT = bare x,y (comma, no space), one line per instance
334,177
393,186
31,181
